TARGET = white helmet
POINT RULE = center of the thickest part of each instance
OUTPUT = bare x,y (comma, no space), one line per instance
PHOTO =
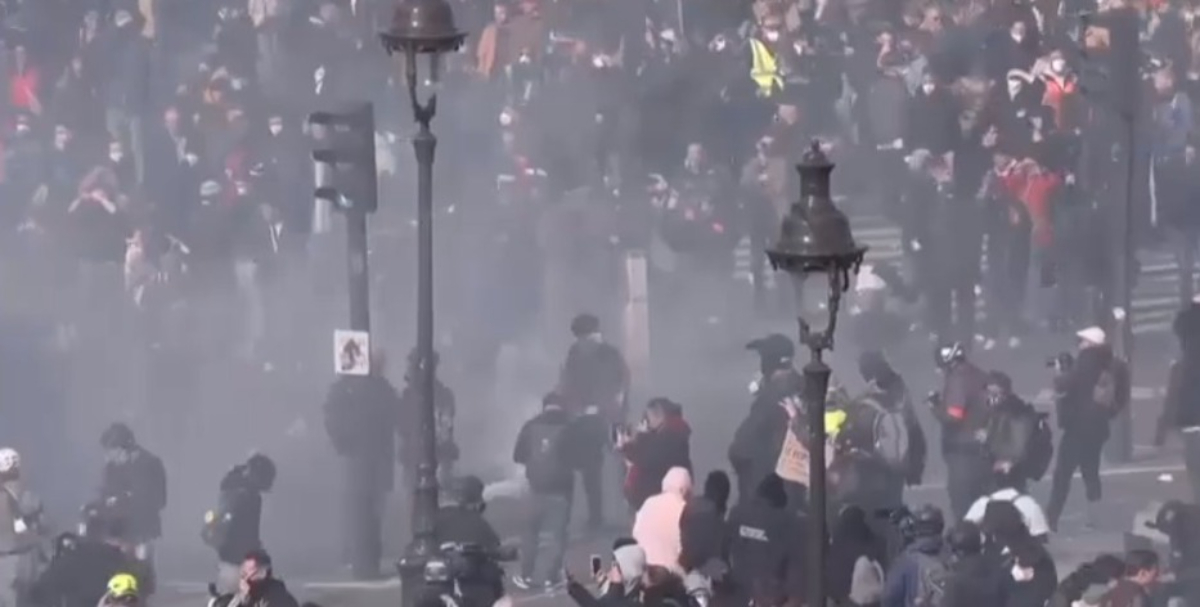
9,460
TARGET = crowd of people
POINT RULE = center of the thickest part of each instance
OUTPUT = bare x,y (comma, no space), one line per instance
746,539
153,155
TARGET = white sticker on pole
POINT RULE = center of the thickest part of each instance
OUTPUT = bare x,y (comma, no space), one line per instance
351,352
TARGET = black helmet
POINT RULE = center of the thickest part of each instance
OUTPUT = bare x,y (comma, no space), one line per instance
928,521
584,324
468,491
260,469
965,538
118,436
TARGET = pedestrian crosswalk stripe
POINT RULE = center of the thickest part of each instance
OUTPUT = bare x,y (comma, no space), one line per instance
1155,299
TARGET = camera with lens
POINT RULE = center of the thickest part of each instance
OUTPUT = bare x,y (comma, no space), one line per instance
460,569
1061,363
901,519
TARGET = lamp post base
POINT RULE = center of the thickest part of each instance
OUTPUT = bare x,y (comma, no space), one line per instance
412,578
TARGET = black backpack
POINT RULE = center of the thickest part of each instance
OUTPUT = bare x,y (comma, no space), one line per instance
1041,447
546,466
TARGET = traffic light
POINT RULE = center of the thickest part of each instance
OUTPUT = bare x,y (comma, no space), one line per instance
344,158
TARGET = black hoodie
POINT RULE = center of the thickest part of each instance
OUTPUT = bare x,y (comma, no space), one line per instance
242,501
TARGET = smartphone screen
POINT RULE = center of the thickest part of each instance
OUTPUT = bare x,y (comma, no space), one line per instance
595,565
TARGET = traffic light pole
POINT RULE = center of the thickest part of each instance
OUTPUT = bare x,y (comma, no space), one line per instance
1126,47
358,281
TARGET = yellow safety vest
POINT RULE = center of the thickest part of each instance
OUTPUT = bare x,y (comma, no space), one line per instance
765,70
834,420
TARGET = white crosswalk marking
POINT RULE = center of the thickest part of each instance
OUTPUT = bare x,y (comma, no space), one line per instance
1155,300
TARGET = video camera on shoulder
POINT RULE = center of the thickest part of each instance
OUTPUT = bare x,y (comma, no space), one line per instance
1061,363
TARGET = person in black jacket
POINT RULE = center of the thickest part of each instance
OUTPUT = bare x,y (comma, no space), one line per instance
659,443
258,586
1010,429
360,420
1181,407
976,578
1091,392
1033,576
702,526
961,409
594,374
462,522
81,566
543,447
234,528
766,546
134,484
757,442
852,540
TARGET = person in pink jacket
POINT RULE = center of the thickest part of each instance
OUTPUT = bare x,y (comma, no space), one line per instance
656,526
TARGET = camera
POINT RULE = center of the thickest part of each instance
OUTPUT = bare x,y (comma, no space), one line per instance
1061,362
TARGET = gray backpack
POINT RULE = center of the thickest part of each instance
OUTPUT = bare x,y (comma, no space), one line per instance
889,434
933,576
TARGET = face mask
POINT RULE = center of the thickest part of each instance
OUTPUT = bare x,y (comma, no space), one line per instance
505,119
771,35
22,128
927,87
1017,36
275,128
191,159
1058,66
598,61
1014,87
115,156
718,45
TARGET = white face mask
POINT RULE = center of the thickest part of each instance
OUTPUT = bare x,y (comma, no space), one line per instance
718,45
22,128
1058,66
505,119
771,35
598,61
1014,87
1017,36
927,87
115,156
275,128
191,159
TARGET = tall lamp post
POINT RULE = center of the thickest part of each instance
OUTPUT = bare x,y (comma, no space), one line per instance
815,239
422,31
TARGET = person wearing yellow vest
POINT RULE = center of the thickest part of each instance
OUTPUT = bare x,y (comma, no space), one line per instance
765,67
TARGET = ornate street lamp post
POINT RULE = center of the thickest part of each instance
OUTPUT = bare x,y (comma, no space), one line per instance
422,32
815,239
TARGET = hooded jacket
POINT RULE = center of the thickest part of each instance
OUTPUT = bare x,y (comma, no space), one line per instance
759,439
652,454
766,544
656,526
903,579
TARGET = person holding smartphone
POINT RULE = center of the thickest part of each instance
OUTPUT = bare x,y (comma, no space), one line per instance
661,441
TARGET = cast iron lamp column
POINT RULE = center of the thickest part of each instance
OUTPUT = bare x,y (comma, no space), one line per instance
423,29
814,239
